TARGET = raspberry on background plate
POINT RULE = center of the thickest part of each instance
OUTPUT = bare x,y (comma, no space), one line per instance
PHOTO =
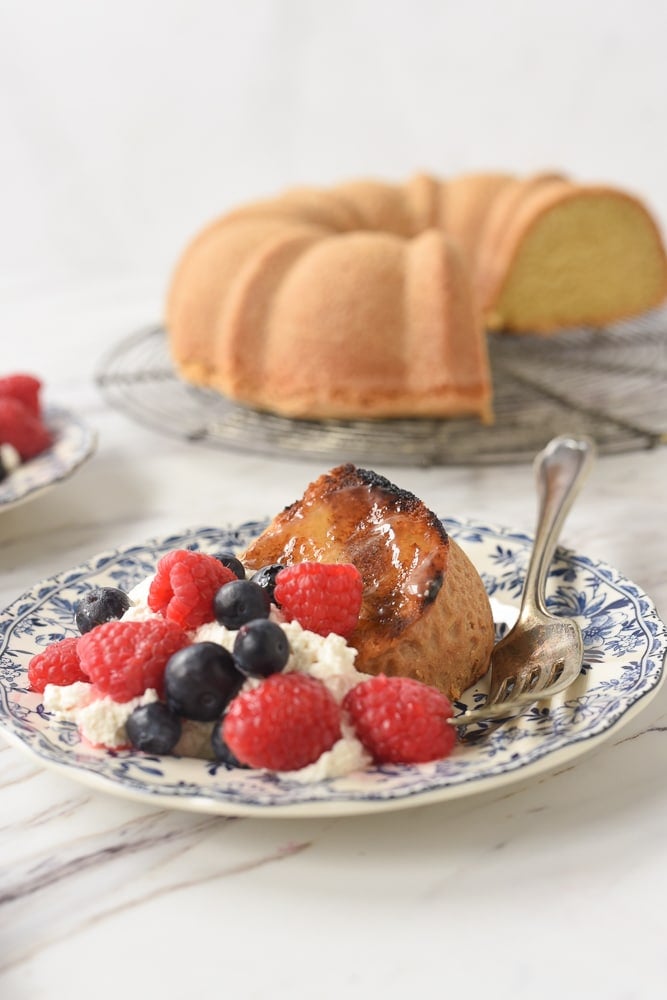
21,428
26,388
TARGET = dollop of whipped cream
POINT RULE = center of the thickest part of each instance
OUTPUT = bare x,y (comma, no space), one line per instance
101,721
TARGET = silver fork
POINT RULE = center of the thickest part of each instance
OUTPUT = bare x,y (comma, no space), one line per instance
542,654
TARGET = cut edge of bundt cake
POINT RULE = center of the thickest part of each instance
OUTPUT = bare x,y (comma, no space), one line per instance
574,256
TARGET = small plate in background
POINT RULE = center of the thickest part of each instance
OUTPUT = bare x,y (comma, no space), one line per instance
73,443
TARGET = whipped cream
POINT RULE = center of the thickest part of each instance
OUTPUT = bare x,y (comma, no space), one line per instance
102,721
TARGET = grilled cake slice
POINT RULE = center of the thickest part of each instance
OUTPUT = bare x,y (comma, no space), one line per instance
425,612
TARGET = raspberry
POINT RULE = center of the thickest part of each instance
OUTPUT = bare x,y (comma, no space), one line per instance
24,388
285,723
123,659
322,597
400,720
22,429
184,587
57,664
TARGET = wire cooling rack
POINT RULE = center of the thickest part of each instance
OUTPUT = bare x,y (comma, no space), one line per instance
610,384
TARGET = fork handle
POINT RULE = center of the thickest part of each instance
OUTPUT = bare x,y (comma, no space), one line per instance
560,470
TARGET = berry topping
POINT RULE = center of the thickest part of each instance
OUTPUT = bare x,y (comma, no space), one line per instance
25,388
200,680
261,648
239,602
22,429
283,724
221,751
322,597
57,664
229,560
266,578
102,604
153,729
400,720
124,659
184,586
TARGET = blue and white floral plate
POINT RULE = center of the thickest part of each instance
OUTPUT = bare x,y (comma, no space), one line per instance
625,644
73,443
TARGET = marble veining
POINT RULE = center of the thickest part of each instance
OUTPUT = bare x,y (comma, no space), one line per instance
644,732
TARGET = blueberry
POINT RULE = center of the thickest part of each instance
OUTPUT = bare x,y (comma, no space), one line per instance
220,749
261,648
153,728
239,602
102,604
266,578
199,681
229,560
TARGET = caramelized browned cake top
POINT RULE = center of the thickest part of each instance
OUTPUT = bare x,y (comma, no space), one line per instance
355,515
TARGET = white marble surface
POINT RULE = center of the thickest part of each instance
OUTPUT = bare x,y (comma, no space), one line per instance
125,126
98,890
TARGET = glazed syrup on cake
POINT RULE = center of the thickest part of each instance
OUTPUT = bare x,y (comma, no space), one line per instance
353,515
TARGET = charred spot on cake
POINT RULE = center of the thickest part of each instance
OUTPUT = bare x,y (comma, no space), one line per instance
434,588
403,500
377,481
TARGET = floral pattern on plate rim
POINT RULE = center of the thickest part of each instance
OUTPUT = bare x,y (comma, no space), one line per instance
625,644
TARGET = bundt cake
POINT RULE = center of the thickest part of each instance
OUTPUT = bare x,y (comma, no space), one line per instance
425,613
371,299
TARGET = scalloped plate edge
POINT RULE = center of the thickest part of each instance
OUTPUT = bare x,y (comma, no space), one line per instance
514,770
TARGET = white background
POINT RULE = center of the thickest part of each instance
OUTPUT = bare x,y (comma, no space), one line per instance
126,125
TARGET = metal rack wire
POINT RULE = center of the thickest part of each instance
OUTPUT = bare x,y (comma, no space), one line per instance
610,384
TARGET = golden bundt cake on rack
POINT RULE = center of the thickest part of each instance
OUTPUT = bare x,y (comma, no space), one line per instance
371,299
304,314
